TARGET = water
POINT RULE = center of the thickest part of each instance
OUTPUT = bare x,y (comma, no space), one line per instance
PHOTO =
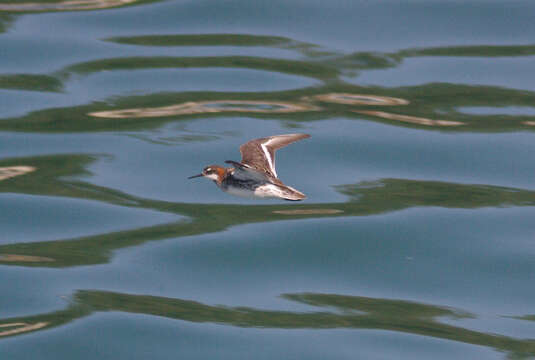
416,239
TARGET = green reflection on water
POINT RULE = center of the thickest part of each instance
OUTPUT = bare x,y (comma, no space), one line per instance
477,50
294,67
208,40
31,82
5,22
372,59
202,40
310,50
350,312
431,101
526,317
54,176
430,106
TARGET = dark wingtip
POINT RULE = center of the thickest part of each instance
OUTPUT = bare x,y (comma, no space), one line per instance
236,163
296,196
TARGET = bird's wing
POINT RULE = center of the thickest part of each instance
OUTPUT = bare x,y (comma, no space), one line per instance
259,154
246,172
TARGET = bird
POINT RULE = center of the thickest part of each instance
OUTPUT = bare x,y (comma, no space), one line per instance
255,175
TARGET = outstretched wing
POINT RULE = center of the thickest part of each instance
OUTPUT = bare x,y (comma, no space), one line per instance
259,154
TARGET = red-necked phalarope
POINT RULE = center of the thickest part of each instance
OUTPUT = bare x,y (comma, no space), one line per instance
255,175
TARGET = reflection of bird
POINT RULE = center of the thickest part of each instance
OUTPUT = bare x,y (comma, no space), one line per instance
255,175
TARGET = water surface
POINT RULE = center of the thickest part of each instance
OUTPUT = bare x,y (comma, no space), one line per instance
415,241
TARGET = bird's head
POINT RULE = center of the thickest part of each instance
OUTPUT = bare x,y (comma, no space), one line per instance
213,172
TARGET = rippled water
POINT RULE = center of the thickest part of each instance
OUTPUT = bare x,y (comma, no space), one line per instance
417,237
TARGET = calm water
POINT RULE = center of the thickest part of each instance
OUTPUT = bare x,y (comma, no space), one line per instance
417,239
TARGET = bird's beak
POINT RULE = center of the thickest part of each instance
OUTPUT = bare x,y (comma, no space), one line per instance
195,176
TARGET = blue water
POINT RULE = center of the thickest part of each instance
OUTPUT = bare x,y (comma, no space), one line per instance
416,237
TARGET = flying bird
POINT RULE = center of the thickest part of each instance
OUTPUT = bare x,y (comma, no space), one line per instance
255,175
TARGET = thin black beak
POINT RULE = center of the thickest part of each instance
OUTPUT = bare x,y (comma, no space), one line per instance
194,176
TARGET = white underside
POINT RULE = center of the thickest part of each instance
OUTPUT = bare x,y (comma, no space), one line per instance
263,191
240,192
269,190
